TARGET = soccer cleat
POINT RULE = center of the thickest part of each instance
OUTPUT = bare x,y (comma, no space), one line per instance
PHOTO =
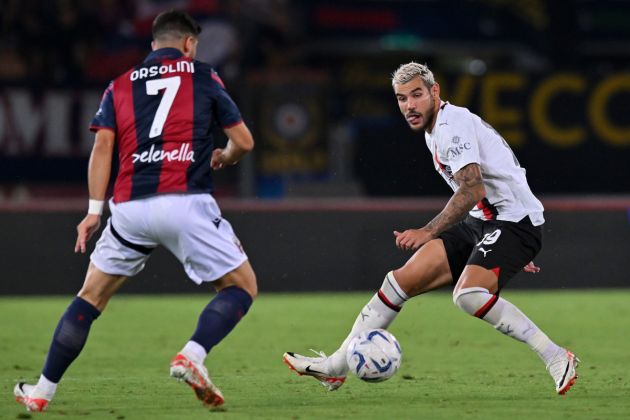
562,369
196,375
22,394
313,366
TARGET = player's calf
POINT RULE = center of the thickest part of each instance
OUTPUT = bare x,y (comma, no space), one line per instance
69,338
509,320
220,316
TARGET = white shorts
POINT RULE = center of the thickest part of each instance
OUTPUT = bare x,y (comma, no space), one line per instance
188,225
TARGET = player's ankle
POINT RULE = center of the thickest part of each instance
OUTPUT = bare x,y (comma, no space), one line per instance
194,352
336,364
45,389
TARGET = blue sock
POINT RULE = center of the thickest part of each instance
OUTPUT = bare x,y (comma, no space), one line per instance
69,338
221,315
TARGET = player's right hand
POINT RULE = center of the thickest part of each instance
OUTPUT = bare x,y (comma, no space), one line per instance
218,159
85,230
531,268
412,239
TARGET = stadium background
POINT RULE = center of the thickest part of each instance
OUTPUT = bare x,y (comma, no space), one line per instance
335,168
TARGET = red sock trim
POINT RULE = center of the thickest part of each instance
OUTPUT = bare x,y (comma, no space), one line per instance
486,308
387,303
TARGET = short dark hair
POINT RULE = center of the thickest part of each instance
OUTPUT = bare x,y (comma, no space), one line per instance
174,24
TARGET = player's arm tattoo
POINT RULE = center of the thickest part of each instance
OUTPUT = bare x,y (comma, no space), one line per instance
469,193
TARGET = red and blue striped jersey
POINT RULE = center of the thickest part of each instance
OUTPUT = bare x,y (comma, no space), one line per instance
163,112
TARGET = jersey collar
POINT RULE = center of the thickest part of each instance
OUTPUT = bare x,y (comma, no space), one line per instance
440,117
172,53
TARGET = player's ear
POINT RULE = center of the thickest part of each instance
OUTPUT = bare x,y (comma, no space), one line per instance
190,46
435,90
153,46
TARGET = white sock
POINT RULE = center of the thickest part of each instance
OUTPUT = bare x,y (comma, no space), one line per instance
543,346
44,389
194,352
379,312
506,318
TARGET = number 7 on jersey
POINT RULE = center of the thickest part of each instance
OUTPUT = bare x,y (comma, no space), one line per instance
171,86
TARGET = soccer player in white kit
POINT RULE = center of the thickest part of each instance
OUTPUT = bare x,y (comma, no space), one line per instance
488,231
160,114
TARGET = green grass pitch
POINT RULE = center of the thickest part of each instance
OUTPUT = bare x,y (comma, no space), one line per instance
454,366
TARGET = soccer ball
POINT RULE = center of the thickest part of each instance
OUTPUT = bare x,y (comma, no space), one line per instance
374,355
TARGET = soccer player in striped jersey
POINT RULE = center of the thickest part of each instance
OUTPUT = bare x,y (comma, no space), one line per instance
488,231
160,115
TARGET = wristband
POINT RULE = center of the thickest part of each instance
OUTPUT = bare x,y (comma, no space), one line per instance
96,207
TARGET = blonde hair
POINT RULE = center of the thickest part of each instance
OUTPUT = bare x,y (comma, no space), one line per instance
406,72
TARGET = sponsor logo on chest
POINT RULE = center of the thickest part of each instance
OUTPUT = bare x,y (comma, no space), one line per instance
183,154
457,148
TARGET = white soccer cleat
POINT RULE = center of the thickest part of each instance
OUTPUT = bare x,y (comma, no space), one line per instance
23,393
196,375
562,369
315,367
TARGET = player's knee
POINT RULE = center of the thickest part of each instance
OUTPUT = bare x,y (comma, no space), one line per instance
245,282
403,281
249,284
70,337
413,283
471,299
245,278
94,298
252,287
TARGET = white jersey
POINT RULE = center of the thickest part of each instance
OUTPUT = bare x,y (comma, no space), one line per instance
460,137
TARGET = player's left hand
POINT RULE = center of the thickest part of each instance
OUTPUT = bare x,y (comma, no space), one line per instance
531,268
85,230
412,239
218,159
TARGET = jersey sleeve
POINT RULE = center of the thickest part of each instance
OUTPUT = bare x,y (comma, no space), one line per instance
105,116
461,142
227,113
